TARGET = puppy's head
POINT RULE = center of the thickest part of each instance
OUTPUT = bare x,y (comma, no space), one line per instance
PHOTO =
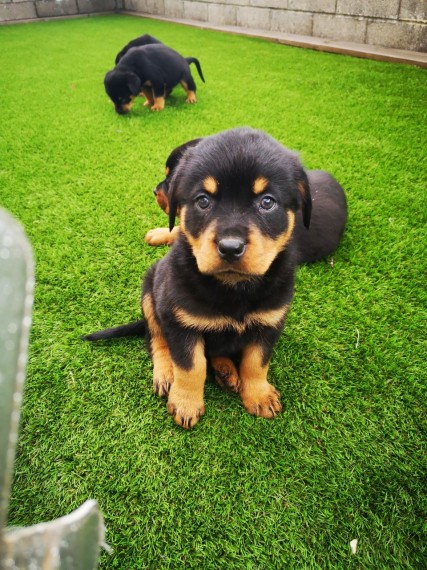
238,194
161,191
122,87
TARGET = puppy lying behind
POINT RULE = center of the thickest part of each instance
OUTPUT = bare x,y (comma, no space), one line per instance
143,40
151,70
225,287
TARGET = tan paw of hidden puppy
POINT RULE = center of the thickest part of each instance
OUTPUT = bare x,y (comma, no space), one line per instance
222,292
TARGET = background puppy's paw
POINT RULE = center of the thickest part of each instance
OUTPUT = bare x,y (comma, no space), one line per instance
158,236
158,106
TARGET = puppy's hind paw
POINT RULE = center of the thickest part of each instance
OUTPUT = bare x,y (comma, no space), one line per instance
226,374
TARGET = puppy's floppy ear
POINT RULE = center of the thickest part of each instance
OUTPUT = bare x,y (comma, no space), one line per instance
134,83
176,155
107,77
176,163
305,194
173,194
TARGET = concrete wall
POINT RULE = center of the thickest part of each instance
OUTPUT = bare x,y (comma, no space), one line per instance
16,10
389,23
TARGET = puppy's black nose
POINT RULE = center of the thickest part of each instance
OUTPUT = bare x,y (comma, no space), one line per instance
231,249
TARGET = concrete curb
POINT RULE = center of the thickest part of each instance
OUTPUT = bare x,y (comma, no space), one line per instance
309,42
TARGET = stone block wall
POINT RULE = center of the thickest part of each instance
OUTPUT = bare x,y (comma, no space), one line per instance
389,23
16,10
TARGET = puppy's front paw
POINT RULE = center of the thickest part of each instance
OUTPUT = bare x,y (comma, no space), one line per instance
162,384
158,236
162,373
158,106
185,410
262,400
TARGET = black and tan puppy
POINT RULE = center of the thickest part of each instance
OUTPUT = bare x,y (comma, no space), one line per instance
151,70
328,215
225,287
143,40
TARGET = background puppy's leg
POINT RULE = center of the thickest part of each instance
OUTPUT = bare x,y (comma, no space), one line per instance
190,88
159,103
185,401
159,96
147,92
259,397
162,361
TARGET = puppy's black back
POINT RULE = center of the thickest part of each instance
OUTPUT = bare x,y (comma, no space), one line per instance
158,57
143,40
328,218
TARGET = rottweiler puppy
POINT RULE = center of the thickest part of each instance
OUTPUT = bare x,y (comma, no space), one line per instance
143,40
151,70
224,288
162,236
328,215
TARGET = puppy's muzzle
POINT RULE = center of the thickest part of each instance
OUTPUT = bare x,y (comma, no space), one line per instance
231,249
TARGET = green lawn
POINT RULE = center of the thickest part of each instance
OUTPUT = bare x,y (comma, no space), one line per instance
346,458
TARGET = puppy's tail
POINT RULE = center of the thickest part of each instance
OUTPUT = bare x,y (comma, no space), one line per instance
137,328
197,64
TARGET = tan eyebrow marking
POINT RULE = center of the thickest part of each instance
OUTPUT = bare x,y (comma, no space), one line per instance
260,185
210,185
167,171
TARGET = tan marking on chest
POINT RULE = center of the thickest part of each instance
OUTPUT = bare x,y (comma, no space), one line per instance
218,323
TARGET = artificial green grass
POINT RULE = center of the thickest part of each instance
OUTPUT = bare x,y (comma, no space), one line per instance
346,458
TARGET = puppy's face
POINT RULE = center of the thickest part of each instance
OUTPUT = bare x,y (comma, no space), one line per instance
122,87
238,192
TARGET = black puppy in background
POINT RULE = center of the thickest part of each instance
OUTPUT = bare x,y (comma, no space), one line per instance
143,40
152,70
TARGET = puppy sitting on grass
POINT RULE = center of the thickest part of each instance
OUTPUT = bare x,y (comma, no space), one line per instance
225,287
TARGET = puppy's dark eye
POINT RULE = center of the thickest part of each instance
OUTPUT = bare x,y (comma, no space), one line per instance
267,203
203,202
